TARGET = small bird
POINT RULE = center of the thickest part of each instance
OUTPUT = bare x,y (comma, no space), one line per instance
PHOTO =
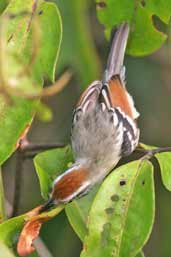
104,128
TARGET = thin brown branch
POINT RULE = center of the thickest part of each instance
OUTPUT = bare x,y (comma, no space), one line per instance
49,91
40,147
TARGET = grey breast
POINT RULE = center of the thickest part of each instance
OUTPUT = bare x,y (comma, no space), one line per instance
96,137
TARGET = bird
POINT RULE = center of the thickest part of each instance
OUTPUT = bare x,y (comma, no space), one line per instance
104,128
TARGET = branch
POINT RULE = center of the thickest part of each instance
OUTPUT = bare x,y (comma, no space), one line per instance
17,182
149,153
40,147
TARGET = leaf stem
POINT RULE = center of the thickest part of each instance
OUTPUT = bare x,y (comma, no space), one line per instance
152,152
2,199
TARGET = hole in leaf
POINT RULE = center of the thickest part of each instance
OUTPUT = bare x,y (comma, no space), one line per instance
105,236
109,211
122,182
143,3
115,198
40,12
143,182
101,5
159,24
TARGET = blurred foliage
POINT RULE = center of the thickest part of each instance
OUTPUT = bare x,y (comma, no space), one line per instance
15,57
3,4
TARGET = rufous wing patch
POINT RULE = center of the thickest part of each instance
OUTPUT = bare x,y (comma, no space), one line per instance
119,97
69,184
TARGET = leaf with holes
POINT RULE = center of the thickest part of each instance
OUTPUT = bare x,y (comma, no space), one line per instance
164,160
122,214
20,30
144,37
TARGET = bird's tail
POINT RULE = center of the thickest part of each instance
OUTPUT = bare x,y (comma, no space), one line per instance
117,51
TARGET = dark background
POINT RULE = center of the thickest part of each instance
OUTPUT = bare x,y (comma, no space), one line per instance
84,50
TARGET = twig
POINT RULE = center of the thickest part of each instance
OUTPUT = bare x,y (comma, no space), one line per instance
151,152
17,182
2,199
45,92
40,147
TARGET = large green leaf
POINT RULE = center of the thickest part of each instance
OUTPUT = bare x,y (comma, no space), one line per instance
14,119
164,160
144,38
122,214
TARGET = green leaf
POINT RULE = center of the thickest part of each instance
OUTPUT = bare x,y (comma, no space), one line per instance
49,164
80,52
122,214
3,4
16,118
115,12
5,252
10,229
164,160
